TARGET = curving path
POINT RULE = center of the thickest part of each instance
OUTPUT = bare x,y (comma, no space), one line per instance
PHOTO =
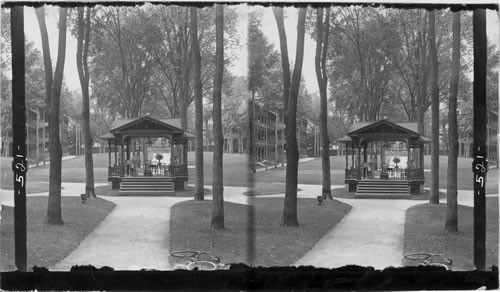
371,234
135,235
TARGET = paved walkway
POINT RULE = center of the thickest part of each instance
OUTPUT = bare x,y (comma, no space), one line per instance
133,236
373,226
371,234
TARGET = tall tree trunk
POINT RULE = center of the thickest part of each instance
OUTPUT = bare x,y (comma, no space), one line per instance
451,224
276,140
421,83
37,132
217,186
54,216
198,103
47,60
292,154
251,132
434,197
83,73
285,63
184,102
321,75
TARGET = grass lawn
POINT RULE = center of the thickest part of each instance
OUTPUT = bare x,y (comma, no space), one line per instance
73,170
188,192
345,194
47,245
234,165
274,245
424,232
465,176
31,187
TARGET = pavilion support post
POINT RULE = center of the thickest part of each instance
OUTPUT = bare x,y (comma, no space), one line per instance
346,157
128,156
352,155
128,149
421,157
109,153
365,155
121,158
408,152
359,161
115,150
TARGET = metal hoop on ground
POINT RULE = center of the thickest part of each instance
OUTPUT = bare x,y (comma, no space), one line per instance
417,256
184,254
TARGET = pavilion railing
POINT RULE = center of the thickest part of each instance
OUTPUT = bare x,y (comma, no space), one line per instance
116,170
352,173
179,170
416,173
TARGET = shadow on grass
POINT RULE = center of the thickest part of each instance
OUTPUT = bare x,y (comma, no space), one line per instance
274,244
424,232
265,189
48,245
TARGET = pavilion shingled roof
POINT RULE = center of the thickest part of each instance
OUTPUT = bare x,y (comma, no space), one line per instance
172,121
410,126
107,136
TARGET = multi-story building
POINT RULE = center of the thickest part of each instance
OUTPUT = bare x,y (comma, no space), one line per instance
37,126
270,142
466,144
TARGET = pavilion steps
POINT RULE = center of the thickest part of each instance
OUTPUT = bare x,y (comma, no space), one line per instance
391,188
147,185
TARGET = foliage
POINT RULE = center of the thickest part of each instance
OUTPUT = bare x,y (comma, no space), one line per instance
122,59
155,67
233,113
262,57
35,98
360,67
379,64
